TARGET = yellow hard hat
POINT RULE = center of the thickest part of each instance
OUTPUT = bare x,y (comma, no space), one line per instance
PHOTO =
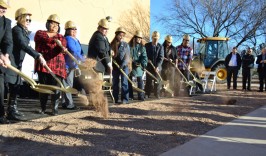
21,11
156,35
4,4
70,24
120,29
54,17
169,38
139,34
104,23
186,37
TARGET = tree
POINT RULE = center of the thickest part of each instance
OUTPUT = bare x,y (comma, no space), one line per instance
138,18
241,20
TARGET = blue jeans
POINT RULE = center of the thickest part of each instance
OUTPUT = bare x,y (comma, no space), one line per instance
124,85
67,100
140,85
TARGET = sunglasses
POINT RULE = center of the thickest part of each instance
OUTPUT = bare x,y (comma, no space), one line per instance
28,20
73,29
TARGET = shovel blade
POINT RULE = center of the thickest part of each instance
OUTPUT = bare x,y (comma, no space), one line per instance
197,80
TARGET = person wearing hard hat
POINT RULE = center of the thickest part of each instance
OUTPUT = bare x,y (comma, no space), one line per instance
54,55
185,54
74,47
139,63
21,46
121,54
155,54
99,48
6,46
170,56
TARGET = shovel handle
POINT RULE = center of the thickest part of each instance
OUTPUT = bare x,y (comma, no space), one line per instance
155,70
54,76
121,70
58,42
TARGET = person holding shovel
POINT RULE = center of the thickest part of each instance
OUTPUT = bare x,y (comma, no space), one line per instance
6,46
21,46
155,54
73,45
54,56
139,62
170,57
121,56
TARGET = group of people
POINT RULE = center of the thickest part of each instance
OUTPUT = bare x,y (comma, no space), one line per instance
233,63
120,59
49,58
127,60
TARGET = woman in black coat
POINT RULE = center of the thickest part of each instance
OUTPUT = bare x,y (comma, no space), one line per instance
21,46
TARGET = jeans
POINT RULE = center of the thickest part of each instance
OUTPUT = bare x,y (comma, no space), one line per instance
124,85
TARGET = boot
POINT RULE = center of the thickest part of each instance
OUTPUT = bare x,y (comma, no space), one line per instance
55,107
12,112
3,120
12,105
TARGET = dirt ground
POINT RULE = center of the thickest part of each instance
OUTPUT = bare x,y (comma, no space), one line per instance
141,128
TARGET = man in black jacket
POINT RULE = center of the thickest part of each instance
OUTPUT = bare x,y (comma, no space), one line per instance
261,61
99,48
6,46
232,63
155,54
247,64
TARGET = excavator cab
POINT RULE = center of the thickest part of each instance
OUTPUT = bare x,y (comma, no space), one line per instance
212,53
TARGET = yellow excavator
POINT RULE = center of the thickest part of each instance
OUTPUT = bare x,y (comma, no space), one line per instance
211,55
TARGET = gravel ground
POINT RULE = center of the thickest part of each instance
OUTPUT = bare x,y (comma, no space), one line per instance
140,128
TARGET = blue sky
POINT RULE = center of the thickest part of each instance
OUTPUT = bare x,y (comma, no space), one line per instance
159,7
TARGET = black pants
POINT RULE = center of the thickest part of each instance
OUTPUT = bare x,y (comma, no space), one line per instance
45,78
246,78
2,90
232,71
168,73
262,78
155,87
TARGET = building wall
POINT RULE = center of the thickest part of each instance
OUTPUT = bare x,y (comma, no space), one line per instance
85,13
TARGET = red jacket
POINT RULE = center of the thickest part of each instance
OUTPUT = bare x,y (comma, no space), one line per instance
52,53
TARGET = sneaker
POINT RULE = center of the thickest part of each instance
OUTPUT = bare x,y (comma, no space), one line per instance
54,112
73,108
41,112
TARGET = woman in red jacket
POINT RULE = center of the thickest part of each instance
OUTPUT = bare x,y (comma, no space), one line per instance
53,54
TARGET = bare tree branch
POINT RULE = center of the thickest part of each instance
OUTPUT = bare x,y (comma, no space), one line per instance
135,19
241,20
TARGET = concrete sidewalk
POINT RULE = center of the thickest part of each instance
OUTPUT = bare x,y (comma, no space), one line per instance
245,136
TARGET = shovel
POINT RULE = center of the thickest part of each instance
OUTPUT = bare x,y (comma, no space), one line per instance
61,88
186,81
166,85
194,78
132,83
30,81
58,42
